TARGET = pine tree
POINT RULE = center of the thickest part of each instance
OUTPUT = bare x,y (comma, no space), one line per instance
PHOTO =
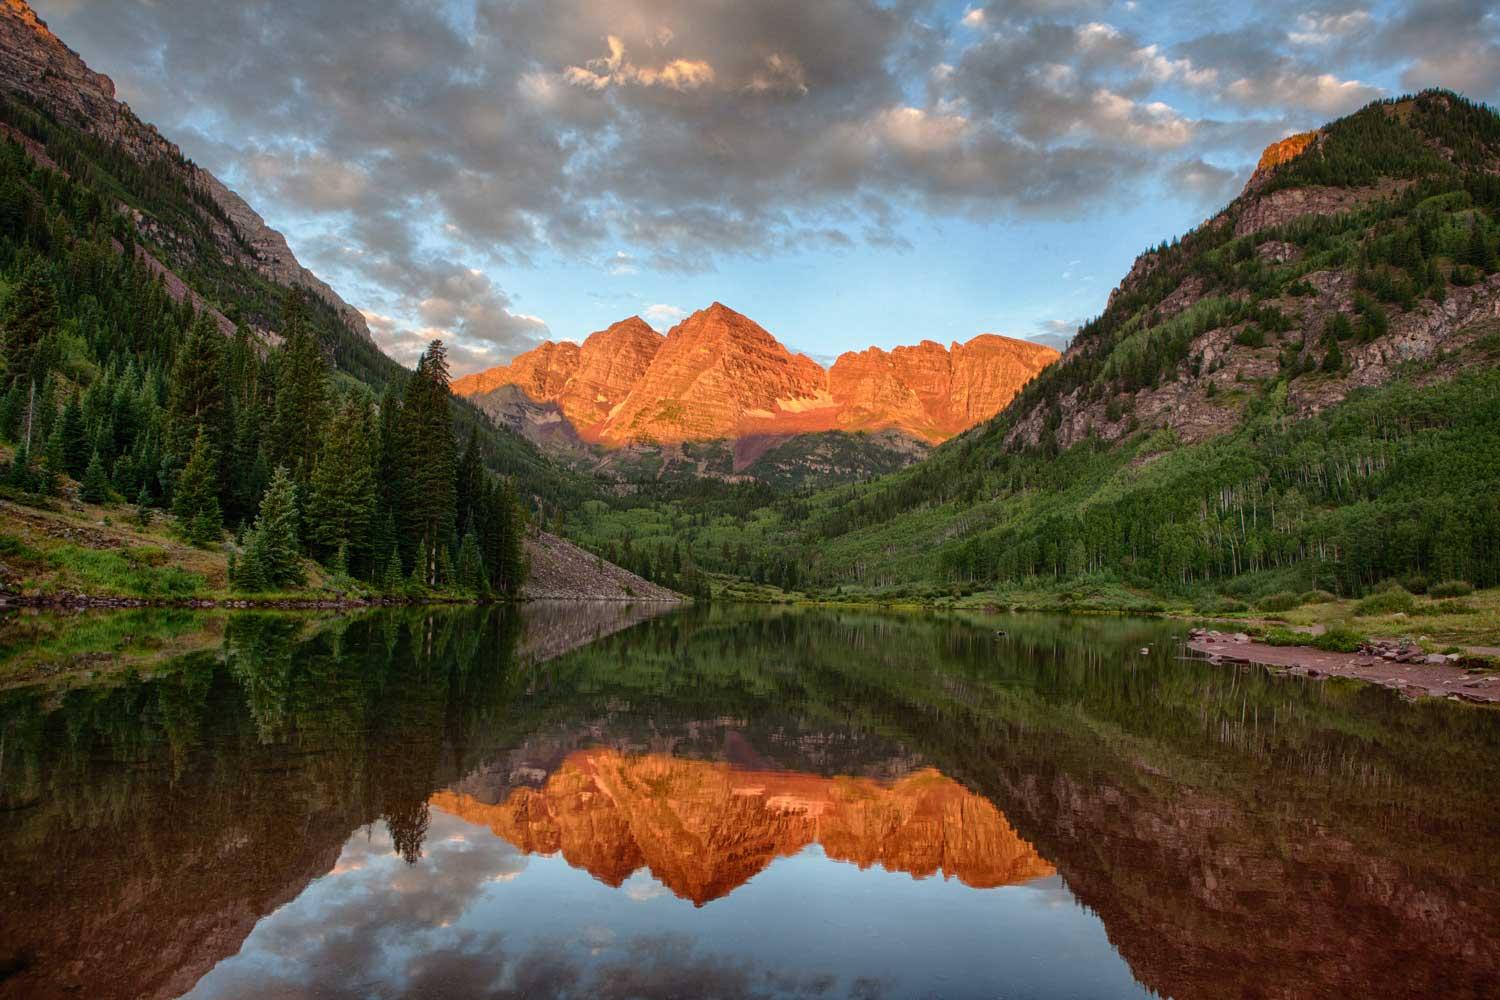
470,568
195,499
341,499
273,548
504,541
95,488
470,483
1476,252
301,409
143,507
428,463
20,474
54,453
74,437
248,575
29,316
196,400
1334,359
393,580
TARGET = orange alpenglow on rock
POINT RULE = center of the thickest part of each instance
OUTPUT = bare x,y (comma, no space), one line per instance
703,829
1278,153
719,375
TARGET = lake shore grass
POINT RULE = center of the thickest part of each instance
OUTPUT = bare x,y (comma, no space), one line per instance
62,553
1471,622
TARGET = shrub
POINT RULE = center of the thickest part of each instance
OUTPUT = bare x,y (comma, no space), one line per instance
1385,602
1416,583
1448,608
1282,601
1285,637
1315,597
1224,606
1334,640
1339,640
1451,588
1251,336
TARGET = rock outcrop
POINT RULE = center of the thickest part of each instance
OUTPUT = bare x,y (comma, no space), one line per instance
36,65
1277,153
704,829
719,375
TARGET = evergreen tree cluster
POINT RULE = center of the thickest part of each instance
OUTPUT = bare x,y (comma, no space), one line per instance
107,381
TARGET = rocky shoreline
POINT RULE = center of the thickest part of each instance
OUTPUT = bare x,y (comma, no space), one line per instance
1400,666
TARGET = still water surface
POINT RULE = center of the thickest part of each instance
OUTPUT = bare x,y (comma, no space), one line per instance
588,802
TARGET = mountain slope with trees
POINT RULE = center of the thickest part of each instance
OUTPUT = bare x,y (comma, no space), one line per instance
161,348
1300,394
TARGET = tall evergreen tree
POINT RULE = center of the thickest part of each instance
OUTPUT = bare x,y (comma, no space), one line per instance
196,400
470,565
195,497
272,547
74,439
95,486
301,408
470,485
340,509
504,541
29,316
428,464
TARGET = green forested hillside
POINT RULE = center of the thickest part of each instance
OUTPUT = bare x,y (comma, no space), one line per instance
1361,421
313,443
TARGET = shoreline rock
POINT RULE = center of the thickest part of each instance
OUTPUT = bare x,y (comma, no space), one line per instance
1412,675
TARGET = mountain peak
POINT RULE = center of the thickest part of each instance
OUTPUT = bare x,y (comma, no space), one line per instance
721,375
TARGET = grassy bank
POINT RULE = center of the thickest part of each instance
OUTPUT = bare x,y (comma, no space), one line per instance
58,550
1437,619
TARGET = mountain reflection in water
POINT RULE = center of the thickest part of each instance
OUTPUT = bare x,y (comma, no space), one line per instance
703,830
723,802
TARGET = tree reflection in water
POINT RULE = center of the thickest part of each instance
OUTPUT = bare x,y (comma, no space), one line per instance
1202,813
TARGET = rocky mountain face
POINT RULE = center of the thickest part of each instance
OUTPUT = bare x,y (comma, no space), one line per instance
1368,240
718,375
586,381
38,67
704,829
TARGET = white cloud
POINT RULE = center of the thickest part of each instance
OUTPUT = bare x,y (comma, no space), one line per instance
1320,29
1155,125
1321,92
662,316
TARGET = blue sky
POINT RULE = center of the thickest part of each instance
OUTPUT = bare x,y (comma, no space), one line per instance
846,172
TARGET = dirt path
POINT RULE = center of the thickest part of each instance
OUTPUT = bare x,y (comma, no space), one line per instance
1411,679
